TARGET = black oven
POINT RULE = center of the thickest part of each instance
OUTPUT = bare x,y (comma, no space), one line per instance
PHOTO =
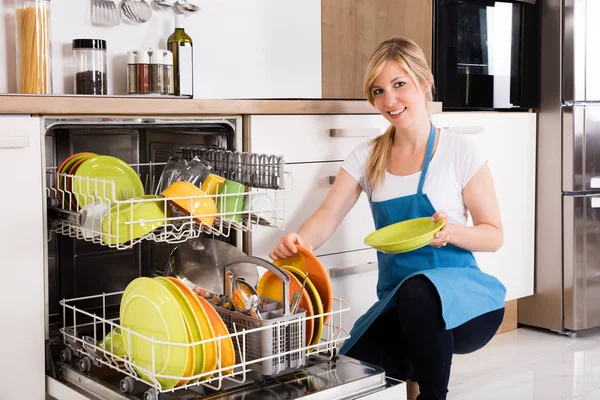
486,54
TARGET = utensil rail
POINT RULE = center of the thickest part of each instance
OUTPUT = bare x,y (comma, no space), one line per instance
94,210
87,346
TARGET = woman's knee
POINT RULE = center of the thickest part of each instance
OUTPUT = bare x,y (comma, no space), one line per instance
417,295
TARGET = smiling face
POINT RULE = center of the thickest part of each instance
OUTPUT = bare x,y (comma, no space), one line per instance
398,98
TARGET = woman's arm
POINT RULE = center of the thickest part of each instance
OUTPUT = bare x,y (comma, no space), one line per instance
486,234
320,226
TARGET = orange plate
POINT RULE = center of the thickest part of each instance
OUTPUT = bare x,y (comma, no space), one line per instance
207,331
60,171
306,262
227,350
271,287
198,205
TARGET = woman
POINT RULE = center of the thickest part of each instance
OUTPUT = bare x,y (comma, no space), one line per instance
438,298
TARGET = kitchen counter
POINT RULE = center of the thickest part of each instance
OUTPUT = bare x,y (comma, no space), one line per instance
129,105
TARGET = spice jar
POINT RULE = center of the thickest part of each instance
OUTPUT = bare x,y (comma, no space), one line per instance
33,46
157,74
132,78
89,64
168,72
143,71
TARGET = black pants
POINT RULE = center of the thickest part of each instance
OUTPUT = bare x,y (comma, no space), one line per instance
410,341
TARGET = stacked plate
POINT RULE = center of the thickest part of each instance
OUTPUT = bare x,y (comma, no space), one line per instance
181,325
316,297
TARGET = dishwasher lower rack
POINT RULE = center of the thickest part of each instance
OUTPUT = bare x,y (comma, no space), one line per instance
102,212
269,349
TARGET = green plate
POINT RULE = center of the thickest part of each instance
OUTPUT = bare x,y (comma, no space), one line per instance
145,216
148,308
405,236
127,183
192,320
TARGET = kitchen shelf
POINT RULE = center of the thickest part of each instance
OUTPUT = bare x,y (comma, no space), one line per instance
107,217
82,335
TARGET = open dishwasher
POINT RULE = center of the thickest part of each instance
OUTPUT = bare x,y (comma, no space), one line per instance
89,271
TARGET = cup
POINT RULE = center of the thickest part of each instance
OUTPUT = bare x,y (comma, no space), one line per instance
212,184
231,200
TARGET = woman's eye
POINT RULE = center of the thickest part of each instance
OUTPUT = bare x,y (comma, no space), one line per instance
377,91
399,84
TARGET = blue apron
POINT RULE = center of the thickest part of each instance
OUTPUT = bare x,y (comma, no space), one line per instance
465,291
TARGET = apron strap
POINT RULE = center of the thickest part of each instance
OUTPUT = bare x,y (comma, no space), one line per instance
428,152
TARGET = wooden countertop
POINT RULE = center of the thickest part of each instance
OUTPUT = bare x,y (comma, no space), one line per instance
129,105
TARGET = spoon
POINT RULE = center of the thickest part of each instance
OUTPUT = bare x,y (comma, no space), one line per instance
184,7
163,3
246,298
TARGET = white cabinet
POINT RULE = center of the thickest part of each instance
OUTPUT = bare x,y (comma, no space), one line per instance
508,140
22,374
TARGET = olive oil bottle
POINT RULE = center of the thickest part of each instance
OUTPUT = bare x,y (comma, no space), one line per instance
180,44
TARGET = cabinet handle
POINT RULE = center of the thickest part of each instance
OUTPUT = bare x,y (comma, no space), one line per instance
14,142
595,182
467,130
367,132
357,269
332,179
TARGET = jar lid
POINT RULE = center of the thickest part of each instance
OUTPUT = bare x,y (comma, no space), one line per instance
89,44
156,57
143,57
168,57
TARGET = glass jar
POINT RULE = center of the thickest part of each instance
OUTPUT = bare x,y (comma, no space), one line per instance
34,61
89,66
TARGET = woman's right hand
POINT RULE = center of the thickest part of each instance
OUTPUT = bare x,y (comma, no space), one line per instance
287,246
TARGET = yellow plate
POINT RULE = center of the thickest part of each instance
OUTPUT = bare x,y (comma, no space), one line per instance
135,219
193,321
314,298
148,308
405,236
210,348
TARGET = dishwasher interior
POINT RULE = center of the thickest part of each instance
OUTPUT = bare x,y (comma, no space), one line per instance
95,275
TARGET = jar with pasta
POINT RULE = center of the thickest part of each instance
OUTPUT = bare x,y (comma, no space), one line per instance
33,46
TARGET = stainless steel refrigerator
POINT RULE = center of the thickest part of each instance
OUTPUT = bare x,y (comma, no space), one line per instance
567,266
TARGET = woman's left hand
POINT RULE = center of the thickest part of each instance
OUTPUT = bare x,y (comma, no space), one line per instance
443,237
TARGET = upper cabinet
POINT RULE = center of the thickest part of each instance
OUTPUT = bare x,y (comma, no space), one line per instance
351,29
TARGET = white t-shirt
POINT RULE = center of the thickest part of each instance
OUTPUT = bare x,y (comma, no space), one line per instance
455,161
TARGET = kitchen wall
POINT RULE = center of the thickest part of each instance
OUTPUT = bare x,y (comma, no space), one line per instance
242,48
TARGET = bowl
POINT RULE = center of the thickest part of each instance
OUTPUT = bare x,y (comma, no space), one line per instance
192,201
405,236
132,219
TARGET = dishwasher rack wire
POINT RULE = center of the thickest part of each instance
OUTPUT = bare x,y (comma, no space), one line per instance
94,210
82,337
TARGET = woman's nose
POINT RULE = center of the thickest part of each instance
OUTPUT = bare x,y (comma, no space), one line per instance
390,98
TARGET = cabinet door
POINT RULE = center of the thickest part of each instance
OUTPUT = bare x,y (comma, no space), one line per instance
508,141
22,254
351,29
311,185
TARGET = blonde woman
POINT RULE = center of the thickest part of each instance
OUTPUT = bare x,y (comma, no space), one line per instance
434,301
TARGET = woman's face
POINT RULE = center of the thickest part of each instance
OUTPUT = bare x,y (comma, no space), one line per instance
397,97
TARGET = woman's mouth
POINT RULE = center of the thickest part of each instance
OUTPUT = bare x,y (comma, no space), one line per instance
397,113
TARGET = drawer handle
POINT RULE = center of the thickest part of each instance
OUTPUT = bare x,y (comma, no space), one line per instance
14,142
357,269
595,182
467,130
367,132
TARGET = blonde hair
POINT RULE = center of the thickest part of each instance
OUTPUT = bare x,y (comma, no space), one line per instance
411,58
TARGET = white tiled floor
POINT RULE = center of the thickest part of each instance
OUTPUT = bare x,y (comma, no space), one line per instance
530,364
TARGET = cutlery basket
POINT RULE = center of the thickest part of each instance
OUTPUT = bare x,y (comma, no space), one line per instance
274,343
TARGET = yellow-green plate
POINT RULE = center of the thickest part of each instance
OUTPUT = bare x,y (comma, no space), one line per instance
405,236
127,183
145,216
193,321
148,308
314,298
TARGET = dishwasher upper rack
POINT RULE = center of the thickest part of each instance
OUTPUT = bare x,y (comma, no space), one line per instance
85,346
264,171
262,207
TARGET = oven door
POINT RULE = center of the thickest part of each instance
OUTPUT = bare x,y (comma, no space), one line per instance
485,54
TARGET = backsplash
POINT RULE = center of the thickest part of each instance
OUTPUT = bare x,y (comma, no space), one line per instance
242,48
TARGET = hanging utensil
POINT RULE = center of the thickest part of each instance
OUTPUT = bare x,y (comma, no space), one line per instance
183,7
164,3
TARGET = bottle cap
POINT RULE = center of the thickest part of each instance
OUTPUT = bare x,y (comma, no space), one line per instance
131,57
157,57
179,20
168,57
143,57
